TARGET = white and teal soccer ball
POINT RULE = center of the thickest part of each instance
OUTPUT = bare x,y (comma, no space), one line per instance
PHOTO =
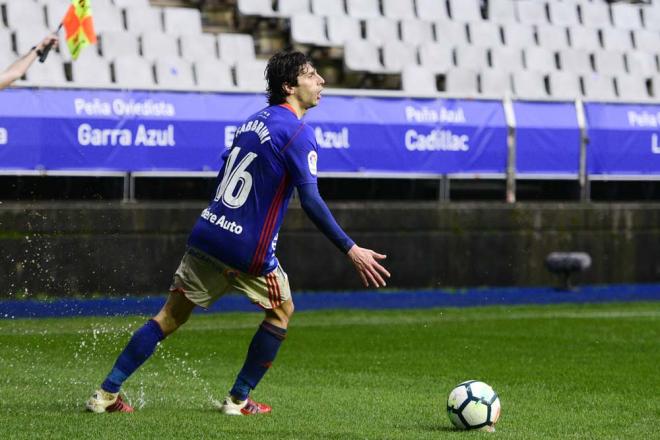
473,405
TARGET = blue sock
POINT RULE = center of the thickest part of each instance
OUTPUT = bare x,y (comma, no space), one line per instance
261,354
139,348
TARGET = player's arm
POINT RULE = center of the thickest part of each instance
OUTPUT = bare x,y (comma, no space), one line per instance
20,66
364,260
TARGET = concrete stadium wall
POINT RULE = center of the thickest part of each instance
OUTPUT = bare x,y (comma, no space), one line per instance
117,249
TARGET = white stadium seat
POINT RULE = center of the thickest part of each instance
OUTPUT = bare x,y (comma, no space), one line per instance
234,47
584,38
198,47
465,10
451,33
6,48
397,55
363,9
107,17
575,60
563,13
564,85
179,21
462,82
157,45
540,59
418,80
131,3
117,44
260,8
595,15
29,35
55,11
140,20
609,62
309,29
362,56
616,39
531,12
502,11
91,70
436,57
484,33
626,16
507,59
381,30
552,37
646,40
174,74
342,29
652,18
399,9
495,83
213,75
287,8
47,74
472,57
133,72
21,13
529,85
250,75
431,10
328,7
632,88
600,87
641,63
518,35
416,31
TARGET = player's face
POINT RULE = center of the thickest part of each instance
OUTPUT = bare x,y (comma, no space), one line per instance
310,85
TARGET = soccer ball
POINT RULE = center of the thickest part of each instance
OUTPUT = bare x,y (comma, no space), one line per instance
473,405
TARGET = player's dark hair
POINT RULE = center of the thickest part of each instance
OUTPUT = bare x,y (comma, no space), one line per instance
283,68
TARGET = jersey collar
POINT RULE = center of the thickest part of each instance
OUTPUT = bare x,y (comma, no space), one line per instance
288,106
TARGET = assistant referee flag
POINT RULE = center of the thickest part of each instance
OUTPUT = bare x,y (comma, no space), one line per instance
79,26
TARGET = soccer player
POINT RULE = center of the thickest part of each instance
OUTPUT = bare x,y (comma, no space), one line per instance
232,245
20,66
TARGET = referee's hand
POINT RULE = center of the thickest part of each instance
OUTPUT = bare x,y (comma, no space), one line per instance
367,266
50,39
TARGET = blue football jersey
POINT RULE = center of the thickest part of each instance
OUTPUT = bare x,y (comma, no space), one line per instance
273,151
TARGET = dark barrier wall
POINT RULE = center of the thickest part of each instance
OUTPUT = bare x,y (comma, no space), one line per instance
69,248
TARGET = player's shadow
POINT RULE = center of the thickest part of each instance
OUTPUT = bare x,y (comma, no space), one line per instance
436,428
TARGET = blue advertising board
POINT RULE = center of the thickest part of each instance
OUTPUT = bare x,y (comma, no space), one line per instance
624,139
158,131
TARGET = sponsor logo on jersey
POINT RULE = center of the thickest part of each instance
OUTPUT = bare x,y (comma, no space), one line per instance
312,159
222,222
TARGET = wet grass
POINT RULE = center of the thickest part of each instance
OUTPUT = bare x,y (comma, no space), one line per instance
568,371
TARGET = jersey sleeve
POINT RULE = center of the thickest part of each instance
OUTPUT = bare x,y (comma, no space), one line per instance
301,156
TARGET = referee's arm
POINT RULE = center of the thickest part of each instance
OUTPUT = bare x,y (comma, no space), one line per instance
18,68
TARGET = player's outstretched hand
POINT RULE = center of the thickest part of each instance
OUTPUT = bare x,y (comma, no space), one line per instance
367,266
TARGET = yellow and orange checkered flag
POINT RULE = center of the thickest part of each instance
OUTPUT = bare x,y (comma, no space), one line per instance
79,26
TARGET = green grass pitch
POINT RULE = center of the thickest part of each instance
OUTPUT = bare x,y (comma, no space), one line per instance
562,372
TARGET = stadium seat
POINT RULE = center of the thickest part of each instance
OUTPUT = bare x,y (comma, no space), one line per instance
259,8
55,11
436,57
133,72
518,35
21,13
465,10
309,29
451,33
362,56
652,18
552,37
609,62
575,60
472,57
107,17
397,55
495,83
234,47
418,80
213,75
157,45
179,21
416,31
29,35
462,82
584,38
431,10
174,74
529,85
287,8
641,63
626,16
250,75
328,7
381,30
198,47
118,44
595,15
531,12
140,20
564,13
6,48
47,74
564,85
363,9
540,59
91,70
599,87
342,29
501,11
646,40
632,88
484,33
131,3
506,59
616,39
399,9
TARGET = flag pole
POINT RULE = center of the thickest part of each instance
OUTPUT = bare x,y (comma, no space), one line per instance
48,47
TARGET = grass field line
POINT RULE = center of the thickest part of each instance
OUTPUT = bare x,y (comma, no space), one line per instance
322,319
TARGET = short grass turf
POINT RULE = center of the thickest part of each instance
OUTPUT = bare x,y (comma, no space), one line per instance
566,371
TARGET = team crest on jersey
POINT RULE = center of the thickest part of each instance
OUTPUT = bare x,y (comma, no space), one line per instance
312,158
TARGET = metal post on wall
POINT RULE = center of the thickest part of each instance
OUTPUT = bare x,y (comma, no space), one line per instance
583,176
510,116
129,188
443,189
